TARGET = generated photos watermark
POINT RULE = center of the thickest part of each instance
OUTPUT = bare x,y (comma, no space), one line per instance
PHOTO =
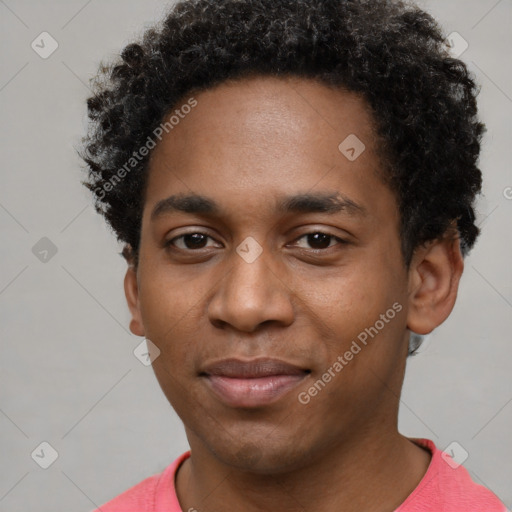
139,155
304,397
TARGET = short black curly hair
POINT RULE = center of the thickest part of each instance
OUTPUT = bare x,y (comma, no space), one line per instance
391,52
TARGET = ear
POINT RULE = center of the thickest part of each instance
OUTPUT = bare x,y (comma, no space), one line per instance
434,276
131,291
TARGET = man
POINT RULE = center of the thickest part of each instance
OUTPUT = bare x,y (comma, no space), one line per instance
294,185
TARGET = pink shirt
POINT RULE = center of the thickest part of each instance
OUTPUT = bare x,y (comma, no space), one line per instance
443,488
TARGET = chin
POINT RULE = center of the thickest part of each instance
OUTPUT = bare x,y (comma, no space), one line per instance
262,459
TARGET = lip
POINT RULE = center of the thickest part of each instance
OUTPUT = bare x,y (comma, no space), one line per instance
254,383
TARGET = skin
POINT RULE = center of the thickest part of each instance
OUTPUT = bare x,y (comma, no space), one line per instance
246,144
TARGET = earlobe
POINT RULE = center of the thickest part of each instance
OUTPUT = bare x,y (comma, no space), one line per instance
131,290
434,277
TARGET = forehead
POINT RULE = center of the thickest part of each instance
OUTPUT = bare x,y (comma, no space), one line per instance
272,111
266,136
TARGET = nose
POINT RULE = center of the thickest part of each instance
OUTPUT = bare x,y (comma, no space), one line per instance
250,294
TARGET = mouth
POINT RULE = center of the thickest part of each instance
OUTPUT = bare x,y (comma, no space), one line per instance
250,384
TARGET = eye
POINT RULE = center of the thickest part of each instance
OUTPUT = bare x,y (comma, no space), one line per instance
189,241
193,241
319,240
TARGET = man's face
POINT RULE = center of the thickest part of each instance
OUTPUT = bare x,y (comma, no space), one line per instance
256,284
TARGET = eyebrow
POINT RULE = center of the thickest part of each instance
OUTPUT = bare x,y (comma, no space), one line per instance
298,203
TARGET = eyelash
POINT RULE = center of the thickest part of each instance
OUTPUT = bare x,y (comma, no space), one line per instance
169,244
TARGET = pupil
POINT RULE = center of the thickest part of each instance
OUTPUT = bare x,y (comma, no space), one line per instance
319,239
193,240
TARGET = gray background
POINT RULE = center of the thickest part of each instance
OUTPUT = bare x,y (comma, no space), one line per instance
68,375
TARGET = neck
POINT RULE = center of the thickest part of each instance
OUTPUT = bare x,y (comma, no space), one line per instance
375,474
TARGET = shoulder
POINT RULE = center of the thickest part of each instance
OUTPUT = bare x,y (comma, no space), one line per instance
448,485
138,498
149,494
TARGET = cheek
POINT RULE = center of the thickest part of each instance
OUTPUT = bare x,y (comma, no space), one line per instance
352,309
168,293
171,311
352,301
